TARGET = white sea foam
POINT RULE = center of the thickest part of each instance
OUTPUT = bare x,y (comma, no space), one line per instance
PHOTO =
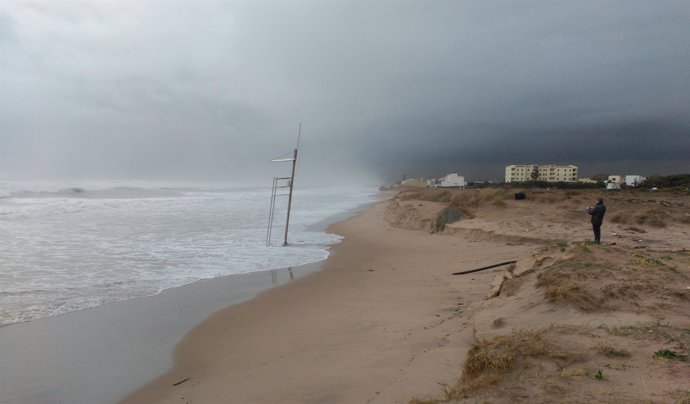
71,246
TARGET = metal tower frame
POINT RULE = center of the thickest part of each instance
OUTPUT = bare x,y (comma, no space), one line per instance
274,192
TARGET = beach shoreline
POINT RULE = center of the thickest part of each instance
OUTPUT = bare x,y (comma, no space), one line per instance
364,329
60,359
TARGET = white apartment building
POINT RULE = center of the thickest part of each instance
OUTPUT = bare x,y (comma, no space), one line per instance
452,180
548,173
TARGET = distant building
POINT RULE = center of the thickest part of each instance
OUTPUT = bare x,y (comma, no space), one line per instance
614,182
452,181
634,180
534,172
616,179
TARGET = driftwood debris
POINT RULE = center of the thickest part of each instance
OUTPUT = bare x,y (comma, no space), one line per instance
181,381
483,268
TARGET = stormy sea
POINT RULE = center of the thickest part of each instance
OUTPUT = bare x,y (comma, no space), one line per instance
73,245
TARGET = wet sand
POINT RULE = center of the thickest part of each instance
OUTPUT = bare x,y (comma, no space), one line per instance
99,355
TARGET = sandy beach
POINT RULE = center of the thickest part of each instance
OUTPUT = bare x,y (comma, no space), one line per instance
378,324
385,321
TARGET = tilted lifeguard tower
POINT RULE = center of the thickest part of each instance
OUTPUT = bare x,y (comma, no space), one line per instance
280,183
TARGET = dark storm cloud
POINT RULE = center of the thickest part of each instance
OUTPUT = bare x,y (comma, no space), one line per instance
213,90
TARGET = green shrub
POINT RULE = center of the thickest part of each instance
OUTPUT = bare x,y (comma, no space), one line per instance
448,215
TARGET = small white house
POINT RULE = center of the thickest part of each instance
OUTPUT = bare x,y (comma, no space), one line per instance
452,181
616,179
634,180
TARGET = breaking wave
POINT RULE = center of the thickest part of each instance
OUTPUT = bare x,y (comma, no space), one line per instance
107,193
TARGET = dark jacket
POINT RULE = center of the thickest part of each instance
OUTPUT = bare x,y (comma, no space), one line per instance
597,212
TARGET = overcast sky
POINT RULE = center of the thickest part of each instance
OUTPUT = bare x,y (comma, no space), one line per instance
214,90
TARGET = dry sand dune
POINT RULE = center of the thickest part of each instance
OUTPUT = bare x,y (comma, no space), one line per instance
574,321
386,322
634,218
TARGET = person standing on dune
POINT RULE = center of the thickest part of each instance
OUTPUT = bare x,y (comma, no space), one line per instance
597,212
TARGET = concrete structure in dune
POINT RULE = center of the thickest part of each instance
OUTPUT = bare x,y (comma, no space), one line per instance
536,172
